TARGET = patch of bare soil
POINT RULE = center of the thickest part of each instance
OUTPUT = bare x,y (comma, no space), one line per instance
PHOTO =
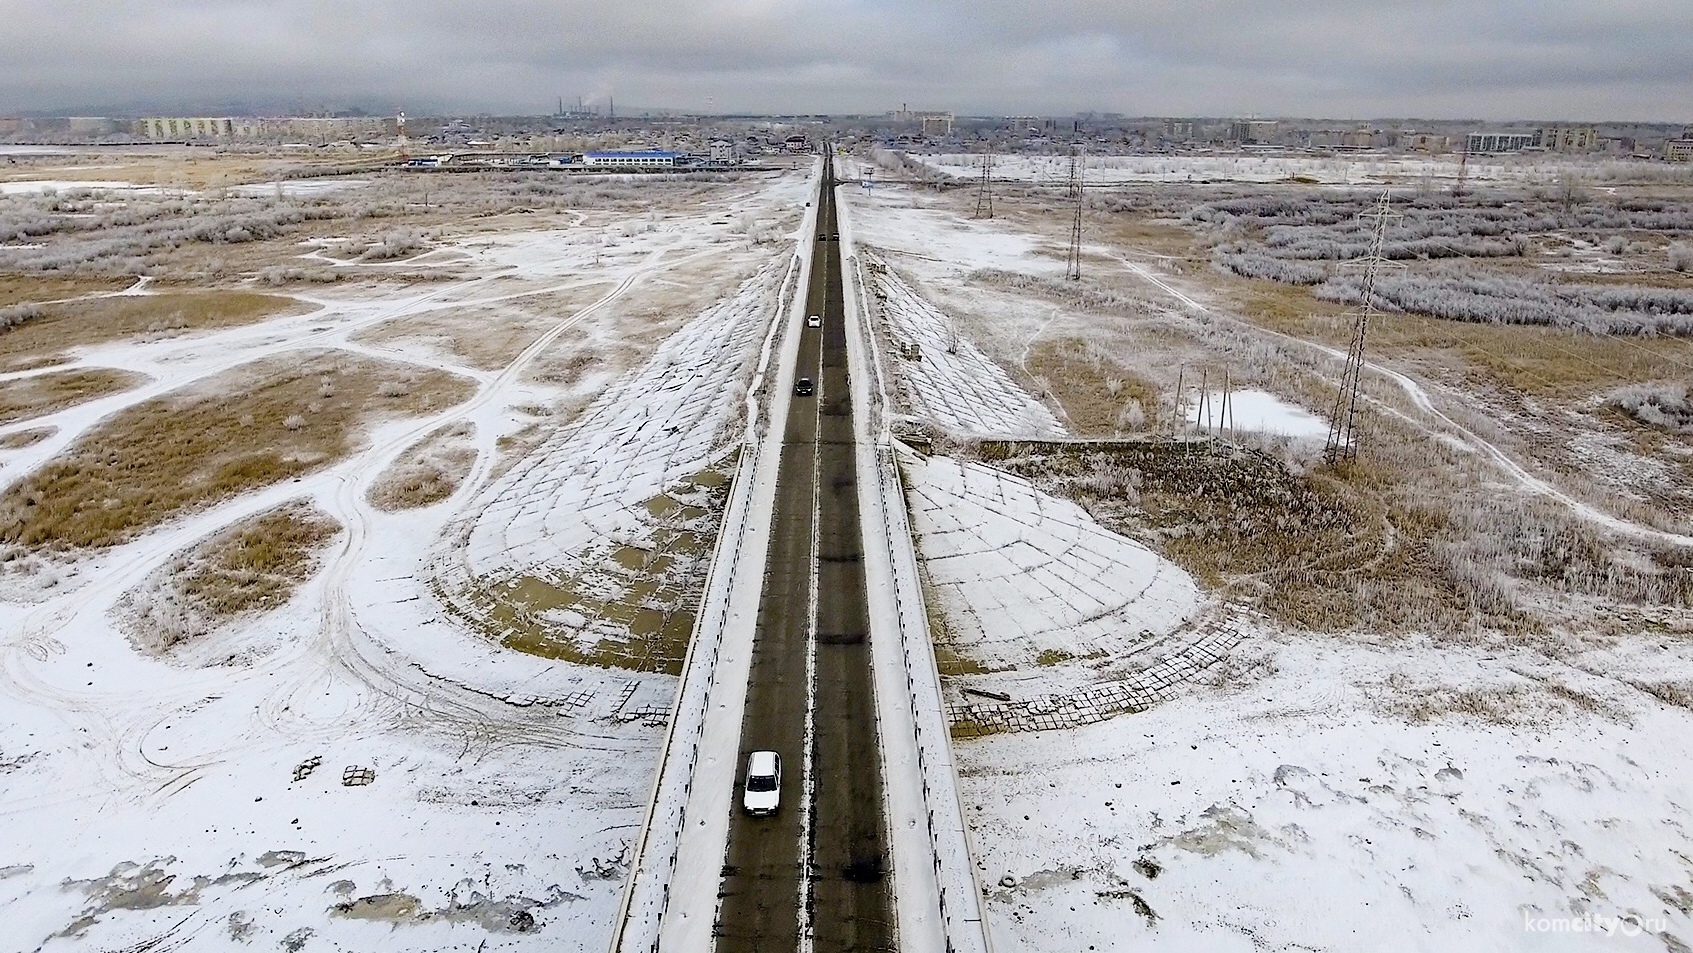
428,472
30,397
59,327
253,566
245,429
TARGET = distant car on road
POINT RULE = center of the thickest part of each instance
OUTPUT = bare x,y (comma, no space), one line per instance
815,321
763,792
804,387
834,236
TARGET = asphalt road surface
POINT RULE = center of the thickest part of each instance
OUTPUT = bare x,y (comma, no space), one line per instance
826,849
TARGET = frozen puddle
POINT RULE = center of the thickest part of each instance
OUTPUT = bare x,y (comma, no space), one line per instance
1257,411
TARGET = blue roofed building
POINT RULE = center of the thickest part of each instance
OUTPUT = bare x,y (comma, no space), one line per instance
635,160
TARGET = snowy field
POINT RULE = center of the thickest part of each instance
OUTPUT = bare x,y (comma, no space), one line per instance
1253,410
1307,792
1327,795
1026,579
1349,170
359,772
604,515
940,377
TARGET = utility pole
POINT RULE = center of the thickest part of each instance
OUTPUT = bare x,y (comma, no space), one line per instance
1073,262
984,191
1343,435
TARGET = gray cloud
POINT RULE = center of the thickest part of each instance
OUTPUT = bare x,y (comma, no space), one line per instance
1553,59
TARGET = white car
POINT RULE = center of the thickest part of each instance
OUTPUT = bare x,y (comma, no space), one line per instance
764,783
815,321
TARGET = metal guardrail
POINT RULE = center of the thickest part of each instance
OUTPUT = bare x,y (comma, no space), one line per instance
641,913
964,926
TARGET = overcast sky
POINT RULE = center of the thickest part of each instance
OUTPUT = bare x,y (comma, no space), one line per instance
1490,59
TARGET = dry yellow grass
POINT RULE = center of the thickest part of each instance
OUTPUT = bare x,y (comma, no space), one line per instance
25,438
34,289
80,323
253,566
33,396
428,472
1540,361
196,169
243,430
1084,386
1312,551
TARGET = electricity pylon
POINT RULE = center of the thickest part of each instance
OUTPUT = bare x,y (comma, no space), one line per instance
1073,262
984,191
1343,434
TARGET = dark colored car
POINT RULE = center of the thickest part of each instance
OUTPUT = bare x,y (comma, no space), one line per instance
804,387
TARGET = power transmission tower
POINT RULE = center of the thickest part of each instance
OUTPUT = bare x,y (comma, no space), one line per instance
984,191
1463,171
1343,434
1073,262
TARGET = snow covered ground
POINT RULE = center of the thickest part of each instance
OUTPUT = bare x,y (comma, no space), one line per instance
1025,579
1328,795
148,804
940,377
1306,792
613,511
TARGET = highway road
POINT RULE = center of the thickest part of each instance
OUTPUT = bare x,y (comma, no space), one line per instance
819,864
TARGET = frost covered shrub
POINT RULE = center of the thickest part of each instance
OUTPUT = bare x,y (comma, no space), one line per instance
1661,404
1082,294
394,245
18,314
1460,295
1260,265
278,275
1681,256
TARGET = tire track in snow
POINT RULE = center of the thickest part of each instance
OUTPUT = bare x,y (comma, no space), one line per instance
402,686
401,692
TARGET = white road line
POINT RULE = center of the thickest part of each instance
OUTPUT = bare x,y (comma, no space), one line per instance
808,776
